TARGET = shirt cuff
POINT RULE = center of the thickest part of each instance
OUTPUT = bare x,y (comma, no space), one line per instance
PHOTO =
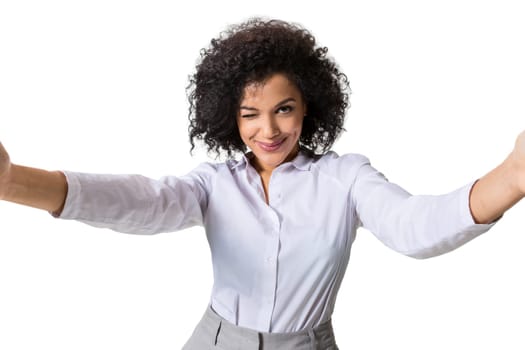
466,215
72,197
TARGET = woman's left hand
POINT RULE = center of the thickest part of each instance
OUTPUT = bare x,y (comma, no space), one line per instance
501,188
517,160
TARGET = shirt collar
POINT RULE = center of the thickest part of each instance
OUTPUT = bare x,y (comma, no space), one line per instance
301,162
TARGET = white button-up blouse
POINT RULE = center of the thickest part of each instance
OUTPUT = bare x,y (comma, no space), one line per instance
278,266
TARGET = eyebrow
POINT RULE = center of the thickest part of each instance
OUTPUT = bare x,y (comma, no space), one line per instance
280,103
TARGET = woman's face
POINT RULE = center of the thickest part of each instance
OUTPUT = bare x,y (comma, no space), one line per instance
270,120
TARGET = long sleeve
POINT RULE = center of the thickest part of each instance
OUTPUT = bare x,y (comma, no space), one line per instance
420,226
137,204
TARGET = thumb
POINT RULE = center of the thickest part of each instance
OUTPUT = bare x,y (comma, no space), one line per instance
519,147
4,156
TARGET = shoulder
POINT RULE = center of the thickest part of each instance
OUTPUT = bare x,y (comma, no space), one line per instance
340,165
341,169
204,171
207,172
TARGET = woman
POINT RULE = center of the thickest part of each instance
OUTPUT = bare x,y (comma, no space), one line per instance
281,219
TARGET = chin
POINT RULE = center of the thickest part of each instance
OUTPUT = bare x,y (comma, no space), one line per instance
272,160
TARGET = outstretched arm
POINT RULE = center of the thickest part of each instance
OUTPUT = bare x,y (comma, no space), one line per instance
124,203
427,225
501,188
29,186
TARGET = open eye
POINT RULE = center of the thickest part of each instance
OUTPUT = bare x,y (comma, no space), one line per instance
285,109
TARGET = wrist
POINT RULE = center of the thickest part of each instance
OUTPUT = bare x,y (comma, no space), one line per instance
516,161
36,188
5,181
515,165
9,185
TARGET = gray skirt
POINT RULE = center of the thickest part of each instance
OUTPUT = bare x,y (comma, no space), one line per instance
215,333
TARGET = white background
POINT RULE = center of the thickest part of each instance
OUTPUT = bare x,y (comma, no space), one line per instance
99,86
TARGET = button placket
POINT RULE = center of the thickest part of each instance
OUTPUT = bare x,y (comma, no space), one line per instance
269,257
274,192
268,261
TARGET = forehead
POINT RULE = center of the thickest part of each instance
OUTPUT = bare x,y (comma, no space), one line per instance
274,87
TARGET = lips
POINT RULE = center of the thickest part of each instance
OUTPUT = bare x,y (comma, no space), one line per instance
270,147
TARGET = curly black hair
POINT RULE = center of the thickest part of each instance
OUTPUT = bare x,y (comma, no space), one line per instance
251,52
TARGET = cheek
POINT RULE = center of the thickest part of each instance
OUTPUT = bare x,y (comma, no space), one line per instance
297,126
245,131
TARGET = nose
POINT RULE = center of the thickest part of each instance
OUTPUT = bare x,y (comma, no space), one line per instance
270,128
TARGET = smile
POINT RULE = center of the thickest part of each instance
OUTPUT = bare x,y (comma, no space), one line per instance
270,147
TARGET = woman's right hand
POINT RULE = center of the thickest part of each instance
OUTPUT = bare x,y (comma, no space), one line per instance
5,168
